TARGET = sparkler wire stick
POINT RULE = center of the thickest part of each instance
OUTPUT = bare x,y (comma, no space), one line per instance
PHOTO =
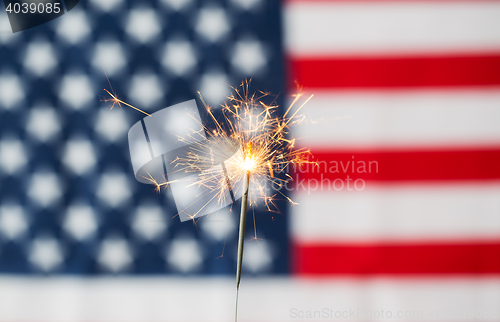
241,237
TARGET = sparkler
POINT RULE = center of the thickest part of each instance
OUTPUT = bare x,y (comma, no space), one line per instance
253,142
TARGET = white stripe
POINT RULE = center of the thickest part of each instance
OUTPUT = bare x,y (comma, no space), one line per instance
198,300
407,119
402,213
380,27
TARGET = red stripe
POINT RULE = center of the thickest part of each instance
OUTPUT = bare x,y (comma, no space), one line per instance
384,1
397,259
415,165
338,72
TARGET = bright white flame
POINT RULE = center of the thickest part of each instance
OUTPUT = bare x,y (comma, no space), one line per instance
249,163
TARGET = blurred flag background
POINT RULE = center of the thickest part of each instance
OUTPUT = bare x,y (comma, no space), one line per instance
408,88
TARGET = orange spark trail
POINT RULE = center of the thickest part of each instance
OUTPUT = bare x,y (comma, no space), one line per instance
116,100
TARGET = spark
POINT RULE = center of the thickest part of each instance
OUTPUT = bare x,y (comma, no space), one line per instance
158,186
114,99
259,138
117,101
251,136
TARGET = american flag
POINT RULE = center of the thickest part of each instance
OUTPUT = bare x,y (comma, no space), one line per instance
399,220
